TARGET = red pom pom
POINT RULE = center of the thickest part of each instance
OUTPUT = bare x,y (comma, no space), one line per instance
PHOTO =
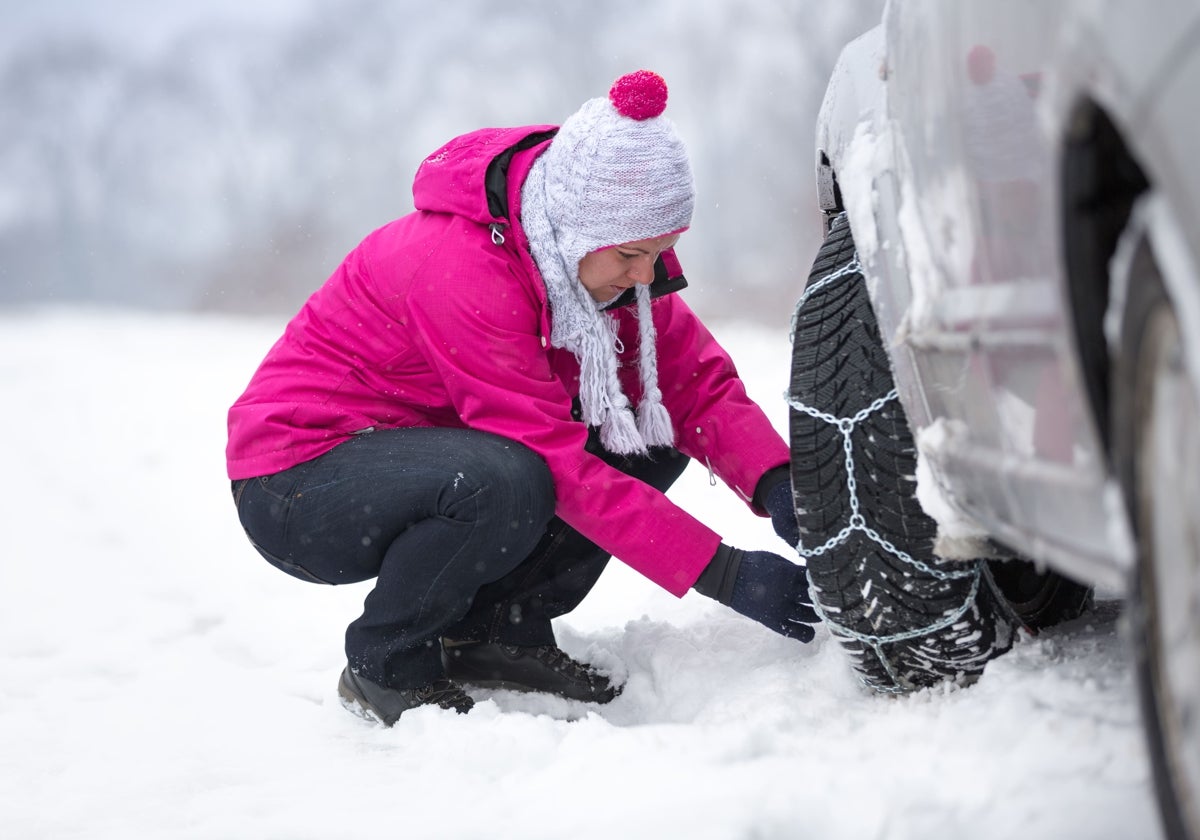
639,95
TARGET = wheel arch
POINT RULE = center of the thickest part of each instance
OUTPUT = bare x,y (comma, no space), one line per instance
1100,183
853,95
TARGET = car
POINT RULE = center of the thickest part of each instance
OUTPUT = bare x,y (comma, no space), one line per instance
995,383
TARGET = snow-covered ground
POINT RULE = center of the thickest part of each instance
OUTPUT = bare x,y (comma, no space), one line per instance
159,680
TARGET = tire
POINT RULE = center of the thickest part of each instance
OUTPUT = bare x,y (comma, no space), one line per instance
1040,597
907,618
1157,412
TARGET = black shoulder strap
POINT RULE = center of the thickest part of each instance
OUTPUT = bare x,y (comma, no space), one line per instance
496,178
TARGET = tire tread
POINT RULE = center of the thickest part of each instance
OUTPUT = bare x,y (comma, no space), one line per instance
877,603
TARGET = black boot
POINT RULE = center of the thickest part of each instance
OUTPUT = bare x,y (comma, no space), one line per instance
545,668
387,704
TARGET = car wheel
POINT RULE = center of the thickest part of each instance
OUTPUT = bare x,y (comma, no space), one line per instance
906,617
1158,454
1040,597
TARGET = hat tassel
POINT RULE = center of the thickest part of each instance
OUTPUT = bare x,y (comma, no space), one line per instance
653,419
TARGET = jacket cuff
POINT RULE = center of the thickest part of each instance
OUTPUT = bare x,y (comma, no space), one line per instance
767,483
719,576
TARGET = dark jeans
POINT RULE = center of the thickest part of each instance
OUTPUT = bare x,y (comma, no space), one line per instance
456,526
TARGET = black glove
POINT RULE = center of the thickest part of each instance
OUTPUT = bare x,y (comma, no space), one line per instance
777,501
761,586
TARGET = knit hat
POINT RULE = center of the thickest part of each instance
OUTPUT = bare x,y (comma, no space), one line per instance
616,172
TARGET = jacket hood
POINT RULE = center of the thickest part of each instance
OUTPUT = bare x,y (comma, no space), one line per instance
468,175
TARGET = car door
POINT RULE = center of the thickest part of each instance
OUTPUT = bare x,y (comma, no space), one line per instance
987,324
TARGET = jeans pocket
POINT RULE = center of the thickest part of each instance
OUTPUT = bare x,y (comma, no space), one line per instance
263,507
280,486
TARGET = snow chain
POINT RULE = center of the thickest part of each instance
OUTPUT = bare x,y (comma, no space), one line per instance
845,425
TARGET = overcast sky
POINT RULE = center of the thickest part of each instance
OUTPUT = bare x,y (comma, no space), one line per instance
139,24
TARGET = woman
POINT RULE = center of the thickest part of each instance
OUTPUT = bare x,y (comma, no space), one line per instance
452,415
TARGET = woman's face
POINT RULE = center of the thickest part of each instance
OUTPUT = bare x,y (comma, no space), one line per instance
608,272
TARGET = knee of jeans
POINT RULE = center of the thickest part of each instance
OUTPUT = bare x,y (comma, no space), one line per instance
508,480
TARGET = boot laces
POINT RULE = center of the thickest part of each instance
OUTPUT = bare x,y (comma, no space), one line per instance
557,659
445,693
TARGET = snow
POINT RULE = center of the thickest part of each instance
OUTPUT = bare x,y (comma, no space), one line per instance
958,536
158,679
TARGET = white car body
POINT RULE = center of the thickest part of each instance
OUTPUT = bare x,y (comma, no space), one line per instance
978,348
1013,173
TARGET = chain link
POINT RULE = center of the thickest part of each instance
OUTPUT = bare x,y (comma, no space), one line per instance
852,267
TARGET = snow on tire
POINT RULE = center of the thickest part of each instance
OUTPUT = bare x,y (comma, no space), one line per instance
906,617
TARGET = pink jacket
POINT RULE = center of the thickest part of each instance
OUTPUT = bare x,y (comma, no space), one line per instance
440,318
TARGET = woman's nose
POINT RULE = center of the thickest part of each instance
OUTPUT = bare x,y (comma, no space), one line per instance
642,271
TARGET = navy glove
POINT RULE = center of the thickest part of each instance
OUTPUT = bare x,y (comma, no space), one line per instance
761,586
777,501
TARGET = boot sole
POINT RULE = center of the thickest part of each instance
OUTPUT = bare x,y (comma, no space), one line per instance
359,707
505,685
